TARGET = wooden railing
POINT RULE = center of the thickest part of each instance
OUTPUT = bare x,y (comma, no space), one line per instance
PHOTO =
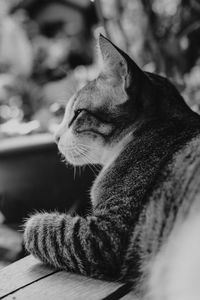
28,279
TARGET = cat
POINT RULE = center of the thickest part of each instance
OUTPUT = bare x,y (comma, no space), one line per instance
138,127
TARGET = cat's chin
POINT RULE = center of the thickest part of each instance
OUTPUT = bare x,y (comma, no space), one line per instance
77,160
76,163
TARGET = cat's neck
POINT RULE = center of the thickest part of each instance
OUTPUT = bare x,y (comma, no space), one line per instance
110,155
135,167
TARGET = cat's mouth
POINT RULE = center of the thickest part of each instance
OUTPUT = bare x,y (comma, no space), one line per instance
77,159
73,157
76,154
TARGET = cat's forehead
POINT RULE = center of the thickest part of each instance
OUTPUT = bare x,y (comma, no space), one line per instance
91,96
89,91
99,93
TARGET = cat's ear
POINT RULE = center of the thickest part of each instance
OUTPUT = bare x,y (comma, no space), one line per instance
113,61
118,68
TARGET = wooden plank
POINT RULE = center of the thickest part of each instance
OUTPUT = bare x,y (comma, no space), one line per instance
21,273
63,286
29,279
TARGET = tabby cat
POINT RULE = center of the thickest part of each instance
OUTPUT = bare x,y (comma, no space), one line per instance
144,224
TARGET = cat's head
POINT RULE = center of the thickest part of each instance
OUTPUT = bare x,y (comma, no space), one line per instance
99,118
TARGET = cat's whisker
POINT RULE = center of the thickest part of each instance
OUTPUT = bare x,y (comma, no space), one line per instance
82,150
74,166
91,165
79,168
83,146
142,222
96,170
86,159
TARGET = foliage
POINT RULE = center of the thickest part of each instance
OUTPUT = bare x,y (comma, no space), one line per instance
162,36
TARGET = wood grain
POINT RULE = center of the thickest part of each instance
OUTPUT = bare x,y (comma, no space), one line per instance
21,273
29,279
62,286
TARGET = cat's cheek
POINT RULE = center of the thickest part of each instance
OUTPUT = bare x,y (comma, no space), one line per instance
66,142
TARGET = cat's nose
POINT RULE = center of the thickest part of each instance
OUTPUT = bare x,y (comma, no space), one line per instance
57,137
59,132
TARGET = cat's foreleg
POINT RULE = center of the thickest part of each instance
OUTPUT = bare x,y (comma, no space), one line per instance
90,246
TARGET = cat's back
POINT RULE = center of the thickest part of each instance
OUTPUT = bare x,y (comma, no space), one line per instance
179,180
174,195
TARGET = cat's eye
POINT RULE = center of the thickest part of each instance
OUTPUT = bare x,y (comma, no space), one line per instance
76,113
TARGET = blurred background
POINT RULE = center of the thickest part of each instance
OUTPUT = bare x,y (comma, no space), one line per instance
47,52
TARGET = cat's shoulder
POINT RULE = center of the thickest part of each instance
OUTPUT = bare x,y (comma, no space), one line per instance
187,159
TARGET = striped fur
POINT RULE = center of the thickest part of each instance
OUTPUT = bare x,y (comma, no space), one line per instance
140,197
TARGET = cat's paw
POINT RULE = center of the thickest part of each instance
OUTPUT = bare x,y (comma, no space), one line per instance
39,233
43,236
31,233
